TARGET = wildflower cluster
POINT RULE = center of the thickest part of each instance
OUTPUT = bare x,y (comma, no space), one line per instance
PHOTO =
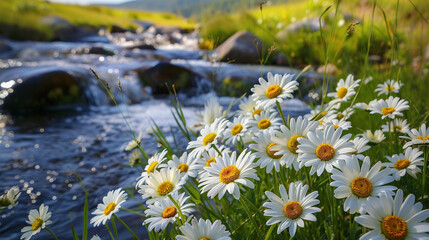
249,172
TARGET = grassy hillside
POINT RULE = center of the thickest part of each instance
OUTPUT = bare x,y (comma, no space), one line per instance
399,37
23,16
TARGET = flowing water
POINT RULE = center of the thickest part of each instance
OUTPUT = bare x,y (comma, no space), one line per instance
39,152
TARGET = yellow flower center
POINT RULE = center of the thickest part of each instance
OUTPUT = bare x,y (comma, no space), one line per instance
256,112
398,128
361,187
293,143
210,161
325,152
37,224
394,228
423,138
273,91
342,92
183,167
205,238
236,129
165,188
387,110
229,174
151,167
169,212
272,153
264,124
320,115
209,138
390,88
109,208
402,164
336,126
292,210
340,116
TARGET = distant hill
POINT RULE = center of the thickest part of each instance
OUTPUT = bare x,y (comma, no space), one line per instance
196,8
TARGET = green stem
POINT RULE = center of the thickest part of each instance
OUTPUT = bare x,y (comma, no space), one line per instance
251,217
279,108
132,211
217,149
176,204
52,233
425,167
126,226
110,232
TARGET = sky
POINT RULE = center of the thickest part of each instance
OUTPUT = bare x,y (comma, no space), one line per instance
86,2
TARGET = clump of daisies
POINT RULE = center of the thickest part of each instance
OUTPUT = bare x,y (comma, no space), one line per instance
255,173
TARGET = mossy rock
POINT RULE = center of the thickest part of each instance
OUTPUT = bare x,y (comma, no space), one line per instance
45,90
166,74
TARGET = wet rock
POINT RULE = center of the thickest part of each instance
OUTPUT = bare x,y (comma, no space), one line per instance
280,59
331,69
165,30
64,30
100,51
142,46
235,86
4,47
118,29
310,25
242,47
44,89
143,24
166,73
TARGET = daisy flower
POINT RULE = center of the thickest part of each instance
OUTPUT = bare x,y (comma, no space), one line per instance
134,143
394,218
345,89
95,237
263,121
247,106
376,137
203,230
155,162
291,208
209,157
185,164
361,106
236,130
161,183
10,197
275,89
391,107
38,221
388,87
359,184
345,125
286,139
210,135
111,204
227,172
267,157
400,125
360,146
408,162
322,150
160,214
346,114
417,137
212,111
319,115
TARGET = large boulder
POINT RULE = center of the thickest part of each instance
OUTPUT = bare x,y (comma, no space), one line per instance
39,89
164,73
242,47
309,25
64,30
4,47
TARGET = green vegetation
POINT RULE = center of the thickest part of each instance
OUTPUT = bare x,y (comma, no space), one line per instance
397,47
21,19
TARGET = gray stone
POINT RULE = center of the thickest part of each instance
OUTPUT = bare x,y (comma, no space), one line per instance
310,25
242,47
